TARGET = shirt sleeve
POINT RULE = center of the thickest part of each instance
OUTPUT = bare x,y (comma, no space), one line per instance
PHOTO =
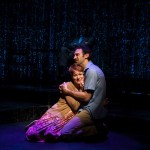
90,80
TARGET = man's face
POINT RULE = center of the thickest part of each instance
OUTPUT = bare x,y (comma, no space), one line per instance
79,57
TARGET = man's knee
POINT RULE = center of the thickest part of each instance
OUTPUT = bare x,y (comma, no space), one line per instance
66,134
65,131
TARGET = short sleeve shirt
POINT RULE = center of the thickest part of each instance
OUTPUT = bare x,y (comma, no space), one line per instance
95,81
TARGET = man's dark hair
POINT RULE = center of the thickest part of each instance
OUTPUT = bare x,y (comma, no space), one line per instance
85,49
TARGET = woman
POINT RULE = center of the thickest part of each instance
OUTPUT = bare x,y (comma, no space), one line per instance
48,127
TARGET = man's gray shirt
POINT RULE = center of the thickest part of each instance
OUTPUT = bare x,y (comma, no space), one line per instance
95,81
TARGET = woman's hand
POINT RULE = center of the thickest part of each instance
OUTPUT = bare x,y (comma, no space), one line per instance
81,85
63,88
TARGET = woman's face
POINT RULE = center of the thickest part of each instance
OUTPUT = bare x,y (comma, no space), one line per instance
78,77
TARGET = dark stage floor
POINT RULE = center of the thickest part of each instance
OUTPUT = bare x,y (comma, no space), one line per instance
13,138
128,122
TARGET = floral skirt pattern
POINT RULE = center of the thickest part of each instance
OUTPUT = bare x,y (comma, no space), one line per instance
49,124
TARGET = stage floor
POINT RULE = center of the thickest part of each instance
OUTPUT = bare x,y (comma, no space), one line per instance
13,138
128,121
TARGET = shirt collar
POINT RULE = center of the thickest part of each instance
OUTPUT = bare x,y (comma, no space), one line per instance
87,66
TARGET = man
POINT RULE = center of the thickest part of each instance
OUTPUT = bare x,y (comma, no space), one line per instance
67,51
89,119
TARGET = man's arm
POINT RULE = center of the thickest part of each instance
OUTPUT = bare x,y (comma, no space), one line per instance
81,96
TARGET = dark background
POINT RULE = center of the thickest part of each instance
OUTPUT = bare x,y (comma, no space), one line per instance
33,31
